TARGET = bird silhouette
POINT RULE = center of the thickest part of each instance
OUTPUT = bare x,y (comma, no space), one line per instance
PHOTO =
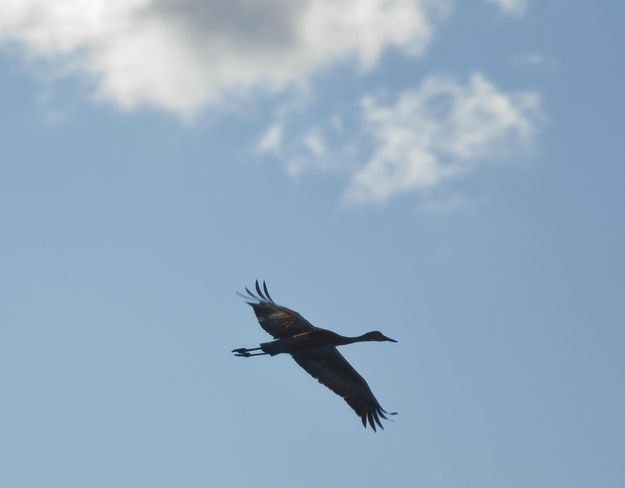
314,349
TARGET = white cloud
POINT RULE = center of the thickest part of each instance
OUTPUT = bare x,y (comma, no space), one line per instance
315,143
513,8
536,60
308,150
437,132
447,204
429,136
185,55
271,140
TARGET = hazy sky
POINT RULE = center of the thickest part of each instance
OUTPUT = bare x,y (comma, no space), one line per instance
448,172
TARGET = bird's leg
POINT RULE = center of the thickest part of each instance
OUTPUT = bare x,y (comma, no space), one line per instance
242,350
245,352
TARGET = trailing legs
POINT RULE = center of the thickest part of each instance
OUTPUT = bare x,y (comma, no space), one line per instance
244,352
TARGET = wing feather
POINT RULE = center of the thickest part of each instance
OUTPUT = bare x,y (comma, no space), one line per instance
277,320
331,369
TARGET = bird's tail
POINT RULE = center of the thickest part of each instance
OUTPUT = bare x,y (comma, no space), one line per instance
272,347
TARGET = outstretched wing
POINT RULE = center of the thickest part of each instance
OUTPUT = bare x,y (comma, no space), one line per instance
331,369
279,321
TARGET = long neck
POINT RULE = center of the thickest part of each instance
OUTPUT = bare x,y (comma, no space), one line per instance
344,340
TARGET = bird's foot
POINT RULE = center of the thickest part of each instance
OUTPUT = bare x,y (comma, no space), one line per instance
241,352
244,352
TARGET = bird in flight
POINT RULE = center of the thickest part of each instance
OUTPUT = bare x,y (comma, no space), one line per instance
314,349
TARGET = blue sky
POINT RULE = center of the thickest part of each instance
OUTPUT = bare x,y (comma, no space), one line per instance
450,173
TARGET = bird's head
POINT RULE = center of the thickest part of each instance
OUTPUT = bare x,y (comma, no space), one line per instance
376,335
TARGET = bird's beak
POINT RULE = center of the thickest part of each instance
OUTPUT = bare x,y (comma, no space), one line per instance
389,339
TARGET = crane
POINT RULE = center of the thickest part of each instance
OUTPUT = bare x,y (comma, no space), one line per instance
314,349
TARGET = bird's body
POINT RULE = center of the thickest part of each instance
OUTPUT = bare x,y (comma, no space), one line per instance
314,349
307,341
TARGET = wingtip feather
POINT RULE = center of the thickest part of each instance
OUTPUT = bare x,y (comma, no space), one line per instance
371,422
377,419
259,291
267,292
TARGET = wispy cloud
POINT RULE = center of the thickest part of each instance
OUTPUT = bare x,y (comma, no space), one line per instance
536,60
427,136
271,140
513,8
186,55
446,204
323,147
439,131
